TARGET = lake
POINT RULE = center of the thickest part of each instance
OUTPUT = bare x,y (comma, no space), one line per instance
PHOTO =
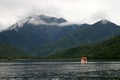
38,70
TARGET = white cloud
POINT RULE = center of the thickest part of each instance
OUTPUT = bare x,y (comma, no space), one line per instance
78,11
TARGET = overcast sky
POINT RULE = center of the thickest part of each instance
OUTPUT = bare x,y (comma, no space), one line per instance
75,11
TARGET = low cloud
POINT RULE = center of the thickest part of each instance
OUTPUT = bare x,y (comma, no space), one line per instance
99,15
77,11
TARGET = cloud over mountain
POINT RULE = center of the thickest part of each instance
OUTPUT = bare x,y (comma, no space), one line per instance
79,11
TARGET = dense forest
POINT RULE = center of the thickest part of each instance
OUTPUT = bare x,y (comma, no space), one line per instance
109,49
10,52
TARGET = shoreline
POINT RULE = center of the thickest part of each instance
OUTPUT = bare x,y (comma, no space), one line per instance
61,60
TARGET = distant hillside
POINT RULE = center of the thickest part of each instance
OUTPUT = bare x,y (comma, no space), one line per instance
109,49
10,52
83,35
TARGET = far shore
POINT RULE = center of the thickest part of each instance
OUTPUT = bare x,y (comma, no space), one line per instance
61,60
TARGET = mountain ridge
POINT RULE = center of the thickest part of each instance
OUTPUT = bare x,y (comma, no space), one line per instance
49,38
37,20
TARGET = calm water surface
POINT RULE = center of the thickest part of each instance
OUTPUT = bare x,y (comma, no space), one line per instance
37,70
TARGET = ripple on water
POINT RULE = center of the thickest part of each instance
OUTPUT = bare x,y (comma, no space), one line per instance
60,71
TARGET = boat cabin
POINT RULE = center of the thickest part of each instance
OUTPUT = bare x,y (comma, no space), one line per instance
84,60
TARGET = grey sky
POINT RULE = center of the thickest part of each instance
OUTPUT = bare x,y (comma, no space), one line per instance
77,11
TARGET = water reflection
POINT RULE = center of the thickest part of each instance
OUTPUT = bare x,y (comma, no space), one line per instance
59,71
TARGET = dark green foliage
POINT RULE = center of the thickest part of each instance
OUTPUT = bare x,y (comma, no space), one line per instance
10,52
73,52
109,49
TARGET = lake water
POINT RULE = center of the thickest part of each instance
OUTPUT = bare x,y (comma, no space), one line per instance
37,70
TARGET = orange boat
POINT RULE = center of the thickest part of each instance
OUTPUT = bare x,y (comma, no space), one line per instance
84,60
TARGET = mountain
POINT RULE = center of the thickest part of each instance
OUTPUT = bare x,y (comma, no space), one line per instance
84,35
11,52
58,45
43,35
34,31
92,33
109,49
